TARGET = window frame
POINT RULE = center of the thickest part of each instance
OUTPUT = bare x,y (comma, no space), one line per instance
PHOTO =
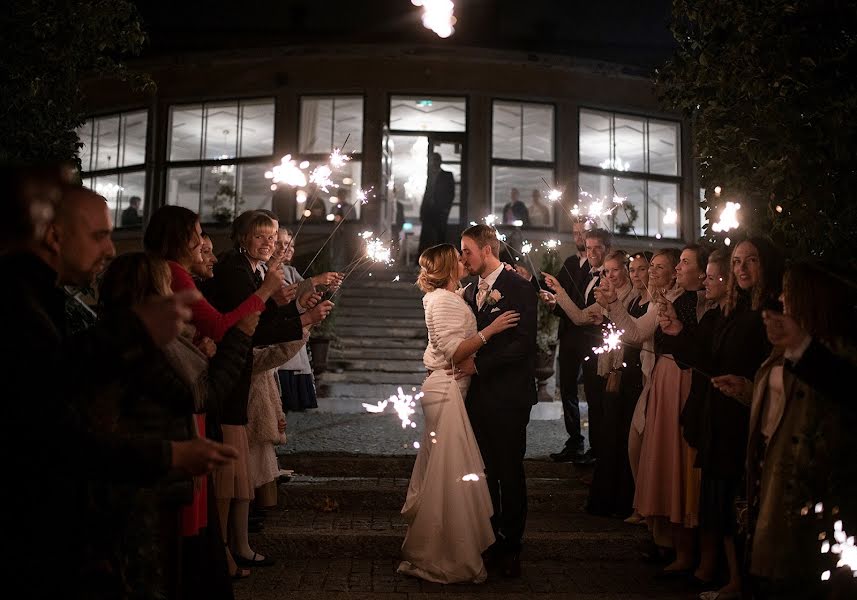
523,163
143,167
323,157
201,162
643,176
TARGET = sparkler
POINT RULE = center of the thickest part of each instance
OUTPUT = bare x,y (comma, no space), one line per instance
437,16
402,403
287,172
612,339
337,159
728,218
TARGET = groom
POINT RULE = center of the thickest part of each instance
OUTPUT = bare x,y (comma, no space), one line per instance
502,389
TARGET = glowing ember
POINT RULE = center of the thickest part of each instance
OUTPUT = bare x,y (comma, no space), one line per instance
287,172
470,477
728,218
518,223
363,196
717,190
396,278
438,16
612,339
321,177
366,235
338,159
526,248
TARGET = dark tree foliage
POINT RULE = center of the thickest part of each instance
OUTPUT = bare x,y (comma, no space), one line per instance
770,87
48,48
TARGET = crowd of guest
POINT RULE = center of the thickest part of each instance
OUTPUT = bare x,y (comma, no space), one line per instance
155,420
723,414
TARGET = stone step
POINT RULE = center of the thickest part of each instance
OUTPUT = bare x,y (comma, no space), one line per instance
351,353
373,493
386,322
379,301
385,365
339,382
373,312
350,342
345,331
375,534
351,465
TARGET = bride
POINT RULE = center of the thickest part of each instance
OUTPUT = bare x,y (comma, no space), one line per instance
448,507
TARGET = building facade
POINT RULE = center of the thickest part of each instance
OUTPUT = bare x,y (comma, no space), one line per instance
506,124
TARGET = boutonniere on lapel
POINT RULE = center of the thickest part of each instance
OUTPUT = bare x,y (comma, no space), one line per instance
493,297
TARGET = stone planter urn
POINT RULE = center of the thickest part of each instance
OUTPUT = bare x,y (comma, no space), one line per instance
544,370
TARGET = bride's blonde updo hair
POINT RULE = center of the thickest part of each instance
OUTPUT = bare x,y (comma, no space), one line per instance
438,265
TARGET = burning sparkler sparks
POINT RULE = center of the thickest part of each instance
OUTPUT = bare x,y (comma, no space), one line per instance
551,244
377,251
337,159
438,16
612,339
728,218
287,172
526,248
321,177
554,195
490,219
470,477
402,403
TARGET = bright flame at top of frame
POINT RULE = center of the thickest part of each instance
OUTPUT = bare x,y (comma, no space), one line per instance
728,218
437,16
287,172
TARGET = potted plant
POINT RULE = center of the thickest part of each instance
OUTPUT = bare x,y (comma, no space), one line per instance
324,333
547,329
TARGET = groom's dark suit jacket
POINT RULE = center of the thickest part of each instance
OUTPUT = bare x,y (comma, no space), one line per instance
506,365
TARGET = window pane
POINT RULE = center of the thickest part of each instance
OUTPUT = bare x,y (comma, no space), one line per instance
131,198
410,167
107,186
664,145
257,128
629,217
254,191
594,140
183,187
340,200
134,138
420,113
506,134
185,132
327,122
106,143
663,204
629,151
219,194
84,134
538,132
526,186
221,130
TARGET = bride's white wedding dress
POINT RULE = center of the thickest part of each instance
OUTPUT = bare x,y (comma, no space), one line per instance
448,507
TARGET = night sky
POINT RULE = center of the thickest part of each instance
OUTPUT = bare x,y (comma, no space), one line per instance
624,31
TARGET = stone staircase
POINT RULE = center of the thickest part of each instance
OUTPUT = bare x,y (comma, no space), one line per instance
382,336
337,533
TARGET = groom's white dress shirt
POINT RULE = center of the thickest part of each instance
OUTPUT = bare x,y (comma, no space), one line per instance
490,280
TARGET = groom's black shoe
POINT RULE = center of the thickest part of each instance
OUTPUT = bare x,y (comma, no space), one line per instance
565,455
510,565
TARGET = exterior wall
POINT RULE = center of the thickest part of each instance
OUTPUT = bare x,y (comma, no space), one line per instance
377,72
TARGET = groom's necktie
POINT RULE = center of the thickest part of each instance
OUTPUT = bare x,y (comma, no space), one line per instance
482,294
589,298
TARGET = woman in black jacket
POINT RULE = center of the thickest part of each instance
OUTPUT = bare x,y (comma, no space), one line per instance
237,274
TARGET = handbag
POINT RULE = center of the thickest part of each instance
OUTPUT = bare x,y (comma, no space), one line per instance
614,381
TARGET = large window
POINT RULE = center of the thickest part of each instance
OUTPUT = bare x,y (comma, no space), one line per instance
637,158
328,123
522,161
113,160
218,154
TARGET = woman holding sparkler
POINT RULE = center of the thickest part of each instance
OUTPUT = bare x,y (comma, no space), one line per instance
448,506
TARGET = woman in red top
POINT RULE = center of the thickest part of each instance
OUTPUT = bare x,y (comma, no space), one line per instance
174,234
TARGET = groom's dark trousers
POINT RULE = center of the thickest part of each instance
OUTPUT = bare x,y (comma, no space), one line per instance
499,401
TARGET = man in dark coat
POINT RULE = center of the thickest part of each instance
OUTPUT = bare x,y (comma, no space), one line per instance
437,202
503,388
